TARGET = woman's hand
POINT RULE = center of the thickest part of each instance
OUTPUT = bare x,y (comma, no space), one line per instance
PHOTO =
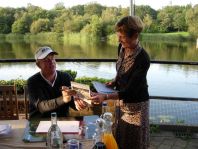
98,98
111,84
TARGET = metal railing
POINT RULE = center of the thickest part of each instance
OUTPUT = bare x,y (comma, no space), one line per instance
98,60
114,60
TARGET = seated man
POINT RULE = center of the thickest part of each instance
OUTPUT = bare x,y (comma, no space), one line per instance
49,89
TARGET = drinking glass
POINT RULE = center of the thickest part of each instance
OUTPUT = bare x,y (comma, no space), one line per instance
73,144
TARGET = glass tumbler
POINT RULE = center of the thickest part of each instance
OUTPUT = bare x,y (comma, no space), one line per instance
73,144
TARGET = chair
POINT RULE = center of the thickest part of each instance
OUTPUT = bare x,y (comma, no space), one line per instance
8,103
26,102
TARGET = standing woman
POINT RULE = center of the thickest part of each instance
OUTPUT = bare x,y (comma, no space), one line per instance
132,120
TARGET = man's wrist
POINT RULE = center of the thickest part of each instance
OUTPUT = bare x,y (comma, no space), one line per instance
67,99
59,101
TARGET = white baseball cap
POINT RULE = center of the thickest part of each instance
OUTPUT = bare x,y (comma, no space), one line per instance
42,52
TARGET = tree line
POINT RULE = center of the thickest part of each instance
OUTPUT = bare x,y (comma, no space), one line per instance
95,20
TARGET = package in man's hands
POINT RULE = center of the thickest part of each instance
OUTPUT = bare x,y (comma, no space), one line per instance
83,91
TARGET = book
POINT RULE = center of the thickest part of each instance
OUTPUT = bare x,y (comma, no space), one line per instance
102,88
83,91
90,122
67,127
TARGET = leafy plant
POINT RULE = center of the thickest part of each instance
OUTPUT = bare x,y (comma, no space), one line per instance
20,83
73,74
154,129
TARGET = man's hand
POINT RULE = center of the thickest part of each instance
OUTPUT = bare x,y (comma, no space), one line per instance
67,93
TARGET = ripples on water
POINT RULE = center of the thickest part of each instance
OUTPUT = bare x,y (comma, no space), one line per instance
163,80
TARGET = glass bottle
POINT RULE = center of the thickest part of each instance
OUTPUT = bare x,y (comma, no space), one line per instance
108,137
104,108
98,135
54,135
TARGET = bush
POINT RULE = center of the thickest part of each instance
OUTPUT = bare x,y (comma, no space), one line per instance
73,74
18,82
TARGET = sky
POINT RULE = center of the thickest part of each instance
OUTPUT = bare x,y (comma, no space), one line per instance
49,4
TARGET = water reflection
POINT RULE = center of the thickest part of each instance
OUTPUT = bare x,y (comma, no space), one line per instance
174,51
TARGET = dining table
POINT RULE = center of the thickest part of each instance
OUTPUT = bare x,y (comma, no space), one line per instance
15,139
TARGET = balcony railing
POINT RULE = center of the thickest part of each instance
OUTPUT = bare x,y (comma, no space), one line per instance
164,99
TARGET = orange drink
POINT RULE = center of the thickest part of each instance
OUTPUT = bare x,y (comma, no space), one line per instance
109,141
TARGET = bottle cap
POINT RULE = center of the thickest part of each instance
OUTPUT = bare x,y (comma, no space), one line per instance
104,103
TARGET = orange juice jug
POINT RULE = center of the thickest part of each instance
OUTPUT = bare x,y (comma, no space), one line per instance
109,141
108,137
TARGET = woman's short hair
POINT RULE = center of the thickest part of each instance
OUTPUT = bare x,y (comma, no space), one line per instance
129,25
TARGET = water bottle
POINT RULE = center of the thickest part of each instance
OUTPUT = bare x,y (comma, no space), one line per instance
54,135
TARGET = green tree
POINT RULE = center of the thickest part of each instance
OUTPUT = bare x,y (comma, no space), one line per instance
22,25
172,18
78,10
148,21
179,21
19,13
93,9
165,19
6,20
123,12
109,18
4,27
192,20
59,6
59,21
74,25
95,28
41,25
36,12
142,11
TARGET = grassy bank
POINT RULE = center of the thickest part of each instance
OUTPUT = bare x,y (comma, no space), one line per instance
167,37
111,39
46,37
162,37
39,38
2,36
78,38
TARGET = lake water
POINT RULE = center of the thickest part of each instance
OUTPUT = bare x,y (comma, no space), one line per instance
163,79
